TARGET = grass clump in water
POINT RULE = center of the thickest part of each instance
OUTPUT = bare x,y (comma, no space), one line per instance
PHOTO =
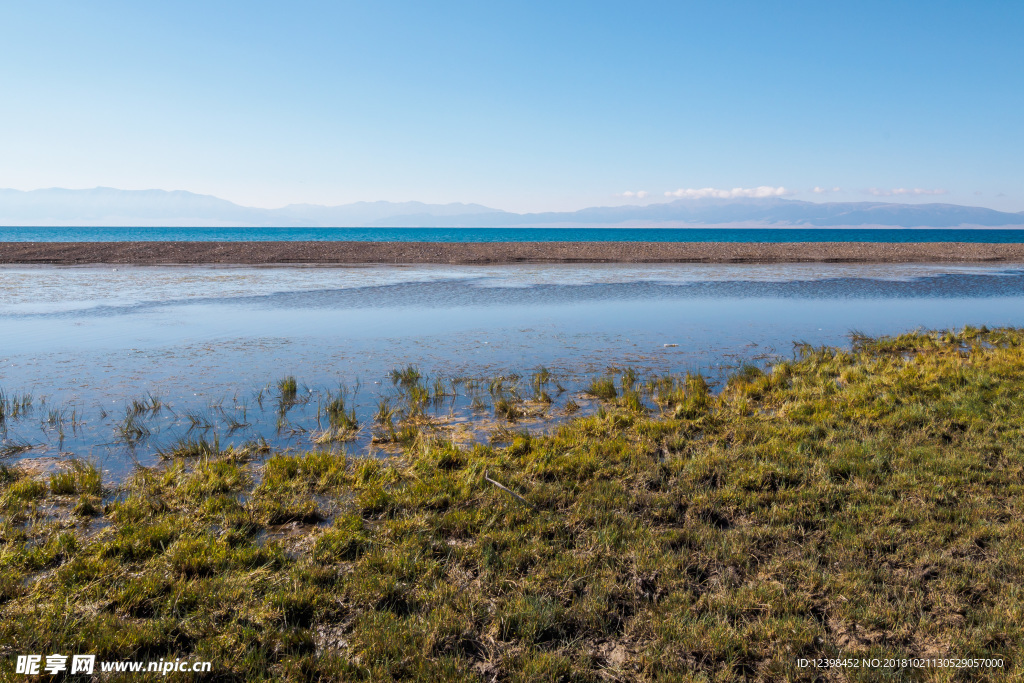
193,448
288,389
406,377
342,422
149,404
14,406
508,409
288,396
133,428
603,388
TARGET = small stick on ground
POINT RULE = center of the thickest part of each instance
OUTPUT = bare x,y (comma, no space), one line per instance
510,492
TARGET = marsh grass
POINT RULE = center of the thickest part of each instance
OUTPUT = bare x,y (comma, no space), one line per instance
540,380
384,420
12,447
440,392
507,409
288,389
193,448
342,424
235,422
150,404
406,377
862,503
132,429
289,395
14,406
628,380
338,417
77,478
603,388
58,419
198,420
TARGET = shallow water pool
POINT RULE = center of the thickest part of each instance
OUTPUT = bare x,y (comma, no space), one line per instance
212,343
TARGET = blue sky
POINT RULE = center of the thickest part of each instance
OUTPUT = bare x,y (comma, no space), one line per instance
521,106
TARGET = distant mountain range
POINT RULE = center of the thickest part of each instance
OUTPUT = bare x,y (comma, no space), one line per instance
104,206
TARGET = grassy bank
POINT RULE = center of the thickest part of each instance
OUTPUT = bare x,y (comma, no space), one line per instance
846,504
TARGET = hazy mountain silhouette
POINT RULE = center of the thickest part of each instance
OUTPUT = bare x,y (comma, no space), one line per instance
111,207
769,211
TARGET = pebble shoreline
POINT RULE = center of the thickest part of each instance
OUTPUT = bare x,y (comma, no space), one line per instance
338,253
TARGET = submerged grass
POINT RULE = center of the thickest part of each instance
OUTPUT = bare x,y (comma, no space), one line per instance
865,503
14,406
133,428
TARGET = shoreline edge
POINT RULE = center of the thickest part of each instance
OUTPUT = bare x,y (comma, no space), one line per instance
490,253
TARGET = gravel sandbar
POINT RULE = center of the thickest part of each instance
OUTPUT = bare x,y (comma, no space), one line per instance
154,253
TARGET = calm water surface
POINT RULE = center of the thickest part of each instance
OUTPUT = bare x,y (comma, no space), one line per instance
213,342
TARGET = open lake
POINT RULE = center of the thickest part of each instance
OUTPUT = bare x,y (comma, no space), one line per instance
760,234
212,343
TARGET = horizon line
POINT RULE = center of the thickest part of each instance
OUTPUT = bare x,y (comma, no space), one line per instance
490,209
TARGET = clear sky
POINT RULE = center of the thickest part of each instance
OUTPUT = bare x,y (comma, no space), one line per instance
517,105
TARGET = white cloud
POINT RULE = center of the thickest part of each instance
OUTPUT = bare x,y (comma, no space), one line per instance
763,191
639,194
903,191
826,190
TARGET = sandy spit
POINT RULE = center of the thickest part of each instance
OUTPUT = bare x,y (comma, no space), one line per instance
154,253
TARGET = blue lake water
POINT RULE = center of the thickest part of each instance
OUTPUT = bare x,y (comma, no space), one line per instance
213,342
144,234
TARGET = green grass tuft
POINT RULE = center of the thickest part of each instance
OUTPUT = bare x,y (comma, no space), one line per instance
603,388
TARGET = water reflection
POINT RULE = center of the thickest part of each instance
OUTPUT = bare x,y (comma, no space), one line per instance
214,342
